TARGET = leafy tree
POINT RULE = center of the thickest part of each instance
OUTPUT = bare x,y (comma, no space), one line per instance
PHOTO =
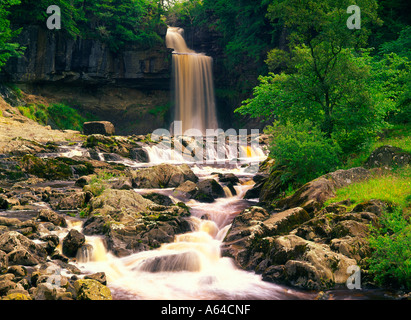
323,80
7,47
34,12
119,22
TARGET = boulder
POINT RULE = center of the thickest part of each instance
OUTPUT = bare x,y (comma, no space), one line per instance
186,190
72,242
48,215
162,176
307,264
98,127
313,194
132,223
99,276
208,190
90,289
20,250
228,177
3,261
388,156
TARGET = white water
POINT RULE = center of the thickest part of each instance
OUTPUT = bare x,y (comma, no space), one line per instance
189,268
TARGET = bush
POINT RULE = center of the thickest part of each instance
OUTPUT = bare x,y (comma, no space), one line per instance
390,263
304,150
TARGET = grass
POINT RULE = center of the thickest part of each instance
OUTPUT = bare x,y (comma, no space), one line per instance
393,186
58,115
98,183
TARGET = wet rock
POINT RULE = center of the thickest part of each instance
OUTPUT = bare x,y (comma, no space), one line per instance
6,286
140,155
95,225
89,289
72,202
98,127
48,291
121,183
99,276
83,181
18,271
228,177
72,242
187,261
48,215
162,176
21,250
309,265
158,198
186,190
208,191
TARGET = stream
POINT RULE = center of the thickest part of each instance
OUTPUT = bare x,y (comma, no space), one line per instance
191,267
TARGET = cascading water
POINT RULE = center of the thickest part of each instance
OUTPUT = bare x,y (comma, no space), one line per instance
191,267
193,85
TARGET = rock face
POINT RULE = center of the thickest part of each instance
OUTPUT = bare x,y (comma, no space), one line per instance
131,85
99,127
51,56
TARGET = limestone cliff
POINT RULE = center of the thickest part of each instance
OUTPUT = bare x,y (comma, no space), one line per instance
129,88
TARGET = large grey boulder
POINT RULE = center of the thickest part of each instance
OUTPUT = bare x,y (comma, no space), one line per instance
98,127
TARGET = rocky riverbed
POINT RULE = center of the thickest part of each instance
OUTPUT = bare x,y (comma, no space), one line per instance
82,216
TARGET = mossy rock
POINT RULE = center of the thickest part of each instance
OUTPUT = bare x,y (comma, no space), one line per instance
17,296
89,289
55,169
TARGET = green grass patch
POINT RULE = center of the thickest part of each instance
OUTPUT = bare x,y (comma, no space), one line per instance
393,187
58,116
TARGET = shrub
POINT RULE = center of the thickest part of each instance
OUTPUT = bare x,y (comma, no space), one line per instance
390,263
304,150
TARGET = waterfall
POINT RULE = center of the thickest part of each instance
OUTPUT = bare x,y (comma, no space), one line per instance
193,85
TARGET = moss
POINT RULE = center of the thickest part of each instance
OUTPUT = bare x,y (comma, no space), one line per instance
54,169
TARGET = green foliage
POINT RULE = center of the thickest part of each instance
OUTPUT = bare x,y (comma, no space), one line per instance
115,22
34,112
390,263
59,116
304,150
335,98
98,183
120,22
65,117
8,48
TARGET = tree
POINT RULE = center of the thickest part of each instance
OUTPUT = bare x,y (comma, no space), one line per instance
323,80
8,48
